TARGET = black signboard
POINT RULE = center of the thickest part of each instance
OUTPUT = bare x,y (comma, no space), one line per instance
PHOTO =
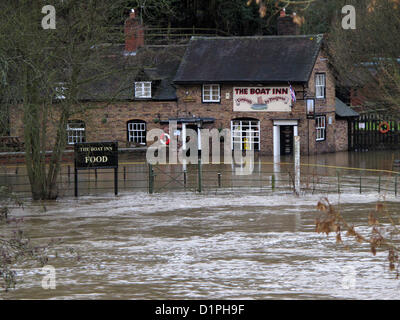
96,155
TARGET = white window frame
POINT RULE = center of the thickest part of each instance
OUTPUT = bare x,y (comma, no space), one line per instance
211,93
135,127
76,134
320,127
143,89
320,85
251,132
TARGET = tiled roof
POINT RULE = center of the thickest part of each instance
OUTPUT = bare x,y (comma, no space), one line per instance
249,59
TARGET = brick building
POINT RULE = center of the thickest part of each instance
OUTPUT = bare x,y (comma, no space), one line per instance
241,83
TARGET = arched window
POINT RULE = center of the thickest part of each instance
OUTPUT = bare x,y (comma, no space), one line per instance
137,131
245,134
76,131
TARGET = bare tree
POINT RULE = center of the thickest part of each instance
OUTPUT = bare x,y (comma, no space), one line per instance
369,56
38,66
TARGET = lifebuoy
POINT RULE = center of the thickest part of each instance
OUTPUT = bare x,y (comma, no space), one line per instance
165,138
382,125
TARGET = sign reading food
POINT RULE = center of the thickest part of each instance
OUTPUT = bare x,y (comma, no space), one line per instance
96,155
276,99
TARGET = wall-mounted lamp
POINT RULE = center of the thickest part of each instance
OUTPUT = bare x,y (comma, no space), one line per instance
310,108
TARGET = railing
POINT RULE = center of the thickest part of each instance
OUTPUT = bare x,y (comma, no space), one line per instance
213,178
373,132
165,36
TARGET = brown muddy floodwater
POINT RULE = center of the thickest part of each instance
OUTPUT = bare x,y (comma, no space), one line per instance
224,244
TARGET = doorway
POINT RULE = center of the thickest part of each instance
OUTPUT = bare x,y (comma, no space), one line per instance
286,140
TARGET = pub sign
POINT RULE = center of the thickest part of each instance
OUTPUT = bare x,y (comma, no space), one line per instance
96,155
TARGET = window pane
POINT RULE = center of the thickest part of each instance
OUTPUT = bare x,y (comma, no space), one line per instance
211,93
137,132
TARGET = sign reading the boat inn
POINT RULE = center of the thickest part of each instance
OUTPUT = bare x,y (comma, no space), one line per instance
96,155
262,99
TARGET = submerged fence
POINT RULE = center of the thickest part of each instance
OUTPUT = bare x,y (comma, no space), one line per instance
267,178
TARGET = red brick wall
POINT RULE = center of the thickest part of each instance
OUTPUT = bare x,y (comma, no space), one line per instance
109,122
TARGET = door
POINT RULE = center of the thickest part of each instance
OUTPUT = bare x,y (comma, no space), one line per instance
286,140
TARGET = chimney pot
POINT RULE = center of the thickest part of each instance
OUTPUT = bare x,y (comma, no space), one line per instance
286,25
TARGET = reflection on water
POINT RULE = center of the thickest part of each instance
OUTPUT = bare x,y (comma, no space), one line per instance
230,245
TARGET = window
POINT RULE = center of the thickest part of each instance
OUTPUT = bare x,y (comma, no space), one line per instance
142,89
320,126
245,134
320,85
76,131
211,93
137,131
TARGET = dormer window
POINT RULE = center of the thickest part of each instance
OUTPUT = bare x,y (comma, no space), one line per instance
143,89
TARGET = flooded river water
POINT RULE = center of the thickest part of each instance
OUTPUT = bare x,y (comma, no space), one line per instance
187,246
230,244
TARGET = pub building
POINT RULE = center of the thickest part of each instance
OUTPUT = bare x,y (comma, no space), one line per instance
275,87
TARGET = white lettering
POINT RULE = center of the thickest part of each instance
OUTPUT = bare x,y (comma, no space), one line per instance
349,21
49,21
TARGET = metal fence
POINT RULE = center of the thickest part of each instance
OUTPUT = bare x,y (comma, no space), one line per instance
212,178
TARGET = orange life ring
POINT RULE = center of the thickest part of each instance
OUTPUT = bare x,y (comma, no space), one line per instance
165,139
382,124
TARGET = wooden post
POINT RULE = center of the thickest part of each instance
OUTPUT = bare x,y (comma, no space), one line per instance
124,173
69,174
219,180
360,184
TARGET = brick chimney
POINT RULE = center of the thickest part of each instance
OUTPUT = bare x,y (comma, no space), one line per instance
286,25
134,33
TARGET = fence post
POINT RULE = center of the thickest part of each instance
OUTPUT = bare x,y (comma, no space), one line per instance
69,174
184,178
395,185
297,183
313,183
219,180
199,175
124,173
338,181
116,181
76,182
151,179
360,184
379,184
273,182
